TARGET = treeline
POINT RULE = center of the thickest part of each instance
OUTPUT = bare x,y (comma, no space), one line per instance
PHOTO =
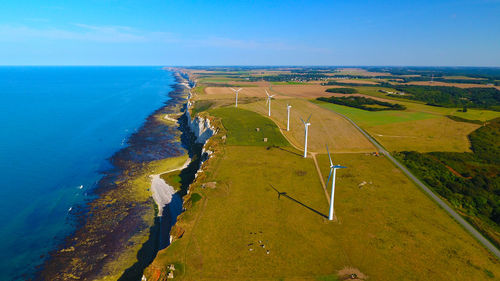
468,81
342,90
485,142
490,73
335,83
426,77
407,79
404,79
487,98
363,103
469,181
422,77
460,119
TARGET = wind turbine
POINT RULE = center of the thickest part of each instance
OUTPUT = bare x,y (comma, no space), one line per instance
236,91
333,169
306,126
288,117
268,101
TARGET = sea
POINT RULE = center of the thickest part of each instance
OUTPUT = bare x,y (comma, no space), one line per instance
58,128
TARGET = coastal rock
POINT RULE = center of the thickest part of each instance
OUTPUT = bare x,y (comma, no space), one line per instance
200,127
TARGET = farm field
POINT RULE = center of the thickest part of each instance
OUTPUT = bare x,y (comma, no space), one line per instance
471,114
303,91
226,92
436,134
387,229
358,81
315,91
458,85
326,127
366,118
476,114
403,130
463,77
312,91
420,127
360,71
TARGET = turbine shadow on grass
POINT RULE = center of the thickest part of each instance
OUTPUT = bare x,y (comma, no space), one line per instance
286,150
284,194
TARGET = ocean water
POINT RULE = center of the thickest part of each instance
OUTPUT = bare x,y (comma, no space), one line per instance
58,127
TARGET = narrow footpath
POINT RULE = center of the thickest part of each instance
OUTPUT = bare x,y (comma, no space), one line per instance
313,154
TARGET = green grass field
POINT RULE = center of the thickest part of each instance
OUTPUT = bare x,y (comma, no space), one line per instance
415,106
173,179
200,90
387,228
218,79
241,126
201,105
374,118
410,130
477,114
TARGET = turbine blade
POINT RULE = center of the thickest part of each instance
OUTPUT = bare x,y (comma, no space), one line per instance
302,120
329,176
232,89
266,92
309,118
331,163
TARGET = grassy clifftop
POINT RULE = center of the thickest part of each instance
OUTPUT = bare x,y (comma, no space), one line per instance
245,127
235,226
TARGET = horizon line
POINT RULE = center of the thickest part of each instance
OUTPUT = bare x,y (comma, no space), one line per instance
240,65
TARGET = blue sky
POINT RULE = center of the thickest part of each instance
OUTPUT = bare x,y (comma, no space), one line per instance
350,32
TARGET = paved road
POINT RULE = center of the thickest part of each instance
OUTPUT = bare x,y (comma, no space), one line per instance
438,200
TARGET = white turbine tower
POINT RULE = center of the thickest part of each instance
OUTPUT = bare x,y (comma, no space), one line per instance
288,117
268,101
333,169
306,127
236,92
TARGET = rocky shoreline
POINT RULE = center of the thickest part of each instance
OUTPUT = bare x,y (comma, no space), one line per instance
119,229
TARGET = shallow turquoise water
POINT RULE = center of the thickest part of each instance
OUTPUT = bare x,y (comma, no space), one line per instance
59,125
